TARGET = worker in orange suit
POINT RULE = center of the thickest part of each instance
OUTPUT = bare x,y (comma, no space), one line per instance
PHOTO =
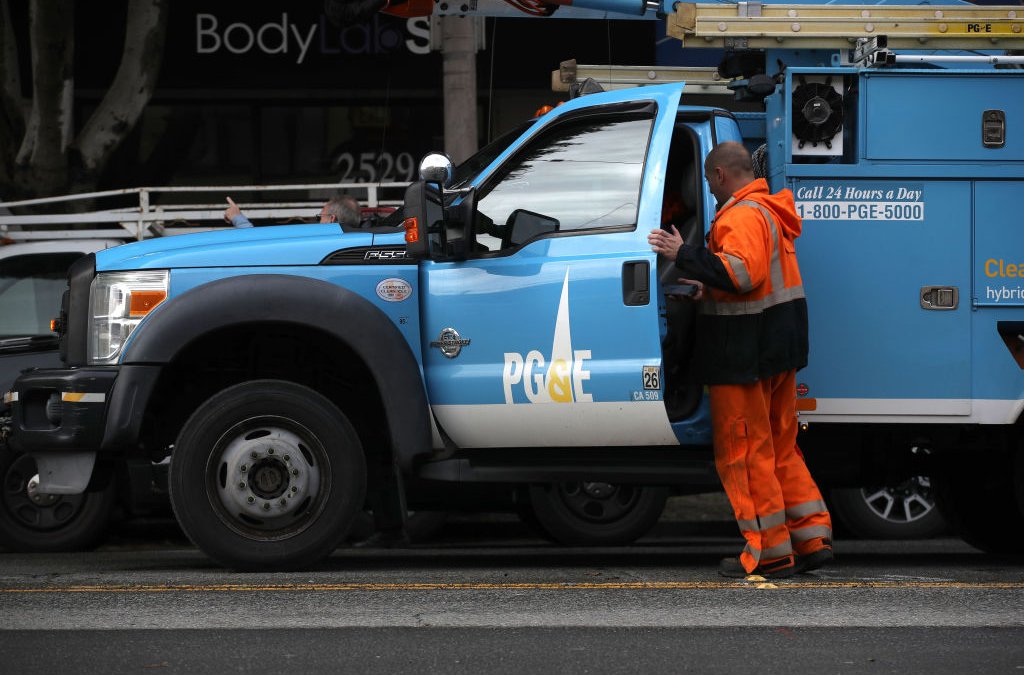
751,339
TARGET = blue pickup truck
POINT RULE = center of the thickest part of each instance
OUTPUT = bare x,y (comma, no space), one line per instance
514,332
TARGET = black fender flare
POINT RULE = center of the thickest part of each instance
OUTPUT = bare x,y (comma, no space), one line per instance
302,301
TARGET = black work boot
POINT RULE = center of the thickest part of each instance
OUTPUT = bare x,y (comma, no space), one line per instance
774,569
732,568
823,556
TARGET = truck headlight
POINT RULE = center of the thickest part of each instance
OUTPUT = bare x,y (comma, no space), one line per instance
118,301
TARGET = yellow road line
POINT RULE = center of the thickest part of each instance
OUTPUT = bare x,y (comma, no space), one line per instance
539,586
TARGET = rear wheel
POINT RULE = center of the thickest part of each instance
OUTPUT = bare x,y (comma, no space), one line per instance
34,522
267,475
977,495
594,513
904,511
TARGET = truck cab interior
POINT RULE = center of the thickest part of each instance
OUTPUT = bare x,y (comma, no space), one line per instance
682,207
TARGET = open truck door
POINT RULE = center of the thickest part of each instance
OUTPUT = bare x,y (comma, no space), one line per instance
553,303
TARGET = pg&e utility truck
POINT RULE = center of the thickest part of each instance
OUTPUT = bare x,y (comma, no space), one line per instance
36,251
514,331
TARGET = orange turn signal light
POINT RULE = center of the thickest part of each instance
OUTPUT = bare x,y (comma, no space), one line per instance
53,325
806,404
143,302
412,230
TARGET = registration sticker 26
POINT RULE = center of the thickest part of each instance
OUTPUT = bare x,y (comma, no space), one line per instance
652,377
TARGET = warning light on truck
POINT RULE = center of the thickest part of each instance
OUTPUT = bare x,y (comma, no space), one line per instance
412,232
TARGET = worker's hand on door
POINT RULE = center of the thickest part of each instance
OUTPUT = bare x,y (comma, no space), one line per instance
665,242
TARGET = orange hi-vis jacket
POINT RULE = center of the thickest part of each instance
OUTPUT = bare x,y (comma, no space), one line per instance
752,322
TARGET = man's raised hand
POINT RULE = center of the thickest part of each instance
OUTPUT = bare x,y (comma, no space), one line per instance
232,210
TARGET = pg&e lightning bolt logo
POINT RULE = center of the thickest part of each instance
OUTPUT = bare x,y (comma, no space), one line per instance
559,379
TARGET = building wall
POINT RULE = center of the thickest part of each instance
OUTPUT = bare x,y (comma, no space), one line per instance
273,92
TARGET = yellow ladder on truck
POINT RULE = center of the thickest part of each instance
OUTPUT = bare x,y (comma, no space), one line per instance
755,25
699,80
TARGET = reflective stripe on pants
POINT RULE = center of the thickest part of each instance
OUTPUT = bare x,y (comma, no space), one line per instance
763,471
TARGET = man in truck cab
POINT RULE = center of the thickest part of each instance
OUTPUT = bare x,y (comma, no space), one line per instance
751,339
344,210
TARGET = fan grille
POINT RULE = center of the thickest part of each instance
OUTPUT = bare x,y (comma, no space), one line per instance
817,113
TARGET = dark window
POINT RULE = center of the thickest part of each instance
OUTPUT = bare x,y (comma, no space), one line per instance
580,175
30,290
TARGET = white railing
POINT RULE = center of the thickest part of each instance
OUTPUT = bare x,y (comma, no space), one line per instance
149,219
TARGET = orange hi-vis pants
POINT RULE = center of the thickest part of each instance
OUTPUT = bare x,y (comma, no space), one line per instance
776,502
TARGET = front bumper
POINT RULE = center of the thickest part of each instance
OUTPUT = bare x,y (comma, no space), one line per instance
80,409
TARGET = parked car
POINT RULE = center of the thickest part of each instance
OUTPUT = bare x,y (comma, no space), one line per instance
32,280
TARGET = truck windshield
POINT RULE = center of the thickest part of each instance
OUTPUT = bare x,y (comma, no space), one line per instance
30,290
466,171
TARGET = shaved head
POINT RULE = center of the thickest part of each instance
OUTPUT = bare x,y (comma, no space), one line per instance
732,157
728,169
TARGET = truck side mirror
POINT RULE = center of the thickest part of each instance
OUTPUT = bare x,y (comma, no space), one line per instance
416,223
436,167
433,230
461,227
524,225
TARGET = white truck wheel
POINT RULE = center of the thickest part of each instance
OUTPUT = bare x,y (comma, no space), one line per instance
267,475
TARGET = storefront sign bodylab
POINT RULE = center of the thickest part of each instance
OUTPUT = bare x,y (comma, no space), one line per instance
295,40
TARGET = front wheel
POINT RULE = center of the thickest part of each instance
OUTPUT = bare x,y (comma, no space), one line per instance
33,522
596,514
267,475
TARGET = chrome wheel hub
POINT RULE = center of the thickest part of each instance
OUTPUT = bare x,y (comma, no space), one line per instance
599,490
266,475
37,497
904,503
21,498
598,502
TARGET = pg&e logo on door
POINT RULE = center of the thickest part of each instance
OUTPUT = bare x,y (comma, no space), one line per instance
560,380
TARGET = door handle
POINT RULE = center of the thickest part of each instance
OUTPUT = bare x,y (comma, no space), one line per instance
940,297
636,283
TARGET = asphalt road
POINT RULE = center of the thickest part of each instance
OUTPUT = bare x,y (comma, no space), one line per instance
488,597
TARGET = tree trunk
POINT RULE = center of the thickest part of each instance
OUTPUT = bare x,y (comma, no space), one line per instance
133,86
41,161
12,102
38,153
459,53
